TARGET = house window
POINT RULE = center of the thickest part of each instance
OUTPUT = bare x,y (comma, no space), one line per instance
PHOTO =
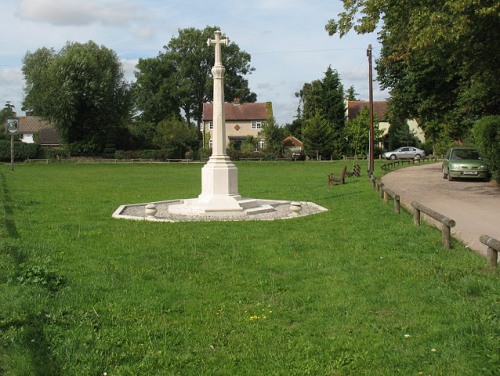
211,144
261,144
256,124
210,125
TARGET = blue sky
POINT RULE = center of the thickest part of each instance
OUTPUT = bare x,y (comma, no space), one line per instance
285,38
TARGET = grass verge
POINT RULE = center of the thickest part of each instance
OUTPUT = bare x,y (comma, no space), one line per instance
357,290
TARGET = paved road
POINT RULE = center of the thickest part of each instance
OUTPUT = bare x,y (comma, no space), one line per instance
474,205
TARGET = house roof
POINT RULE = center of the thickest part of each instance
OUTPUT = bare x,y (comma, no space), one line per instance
47,132
32,124
292,141
234,111
355,107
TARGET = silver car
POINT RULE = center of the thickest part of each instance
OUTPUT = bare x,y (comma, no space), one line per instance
406,152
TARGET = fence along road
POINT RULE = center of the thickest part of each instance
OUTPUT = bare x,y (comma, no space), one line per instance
474,205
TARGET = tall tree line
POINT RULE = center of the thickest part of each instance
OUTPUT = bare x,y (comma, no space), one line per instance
439,59
82,90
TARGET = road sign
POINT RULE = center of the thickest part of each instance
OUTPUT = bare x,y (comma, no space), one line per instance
13,125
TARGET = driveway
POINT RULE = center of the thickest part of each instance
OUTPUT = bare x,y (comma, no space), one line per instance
474,205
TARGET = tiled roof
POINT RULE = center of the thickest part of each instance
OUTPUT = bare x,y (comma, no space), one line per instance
32,124
292,141
355,107
243,111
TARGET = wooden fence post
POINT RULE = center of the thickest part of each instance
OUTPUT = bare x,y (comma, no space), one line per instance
447,222
492,252
416,217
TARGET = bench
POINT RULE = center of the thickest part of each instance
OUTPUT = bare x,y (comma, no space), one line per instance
332,179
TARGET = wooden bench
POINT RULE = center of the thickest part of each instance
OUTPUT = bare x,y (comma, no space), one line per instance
332,179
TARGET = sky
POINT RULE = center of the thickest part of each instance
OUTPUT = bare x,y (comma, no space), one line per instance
286,39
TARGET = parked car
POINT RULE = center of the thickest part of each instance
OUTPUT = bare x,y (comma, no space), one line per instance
406,152
298,155
464,162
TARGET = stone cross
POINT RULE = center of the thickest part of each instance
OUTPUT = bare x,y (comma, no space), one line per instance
217,43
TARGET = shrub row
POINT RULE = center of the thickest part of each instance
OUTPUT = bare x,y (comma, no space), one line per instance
22,151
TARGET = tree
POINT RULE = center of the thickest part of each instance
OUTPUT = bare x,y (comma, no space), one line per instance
273,136
175,137
318,137
350,94
7,112
325,98
487,138
183,73
357,132
155,90
439,58
81,90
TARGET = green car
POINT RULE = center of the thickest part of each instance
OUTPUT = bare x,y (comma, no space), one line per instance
464,162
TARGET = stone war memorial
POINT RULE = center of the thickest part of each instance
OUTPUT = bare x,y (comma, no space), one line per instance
219,198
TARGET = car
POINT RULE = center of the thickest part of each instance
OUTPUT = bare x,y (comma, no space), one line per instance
298,155
464,162
405,152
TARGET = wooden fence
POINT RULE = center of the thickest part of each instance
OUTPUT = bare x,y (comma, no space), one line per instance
493,249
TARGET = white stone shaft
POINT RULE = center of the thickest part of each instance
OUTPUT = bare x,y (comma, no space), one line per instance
218,118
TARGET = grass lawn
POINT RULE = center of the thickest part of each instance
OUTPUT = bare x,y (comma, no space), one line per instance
357,290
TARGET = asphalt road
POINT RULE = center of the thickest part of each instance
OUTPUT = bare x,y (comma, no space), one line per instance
474,205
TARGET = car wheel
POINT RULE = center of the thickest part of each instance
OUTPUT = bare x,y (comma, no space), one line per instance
417,156
393,156
445,175
449,176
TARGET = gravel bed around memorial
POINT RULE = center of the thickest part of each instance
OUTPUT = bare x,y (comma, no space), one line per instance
281,211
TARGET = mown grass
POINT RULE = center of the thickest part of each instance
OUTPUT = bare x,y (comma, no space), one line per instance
357,290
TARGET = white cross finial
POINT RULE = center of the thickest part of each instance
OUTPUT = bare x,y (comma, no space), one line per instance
217,43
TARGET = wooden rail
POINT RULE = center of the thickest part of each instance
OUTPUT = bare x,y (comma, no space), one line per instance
397,199
493,249
30,160
446,222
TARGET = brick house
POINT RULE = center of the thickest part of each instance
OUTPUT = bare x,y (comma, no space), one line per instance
242,120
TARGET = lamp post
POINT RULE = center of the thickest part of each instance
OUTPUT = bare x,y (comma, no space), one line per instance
13,128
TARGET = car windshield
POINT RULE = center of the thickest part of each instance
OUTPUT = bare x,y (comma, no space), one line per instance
465,154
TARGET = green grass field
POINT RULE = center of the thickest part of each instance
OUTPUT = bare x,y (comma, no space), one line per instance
357,290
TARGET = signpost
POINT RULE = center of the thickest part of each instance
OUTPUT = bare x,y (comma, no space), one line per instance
13,128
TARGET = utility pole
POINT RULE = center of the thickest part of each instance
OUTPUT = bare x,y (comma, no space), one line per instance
370,88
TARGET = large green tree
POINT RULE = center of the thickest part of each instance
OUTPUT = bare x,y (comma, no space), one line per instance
325,99
439,58
179,78
81,89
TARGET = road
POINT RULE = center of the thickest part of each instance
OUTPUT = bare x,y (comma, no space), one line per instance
474,205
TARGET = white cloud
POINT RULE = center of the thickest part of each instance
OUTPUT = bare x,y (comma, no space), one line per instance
78,12
10,76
